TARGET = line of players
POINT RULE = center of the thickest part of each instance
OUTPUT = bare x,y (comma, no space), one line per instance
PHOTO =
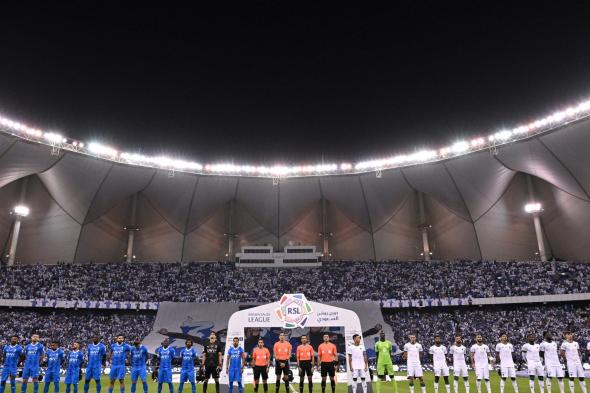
542,359
96,357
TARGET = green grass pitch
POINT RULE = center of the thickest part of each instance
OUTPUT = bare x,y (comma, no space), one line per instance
523,385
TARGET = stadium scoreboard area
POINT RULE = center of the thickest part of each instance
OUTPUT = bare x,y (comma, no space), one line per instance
265,256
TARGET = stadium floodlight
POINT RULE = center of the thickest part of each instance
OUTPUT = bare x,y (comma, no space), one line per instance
533,207
53,137
102,150
21,211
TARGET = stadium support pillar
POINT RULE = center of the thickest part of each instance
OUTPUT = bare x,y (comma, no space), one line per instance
231,254
423,226
17,224
131,229
537,221
325,234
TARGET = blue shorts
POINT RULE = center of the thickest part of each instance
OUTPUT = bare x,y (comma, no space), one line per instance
235,375
93,373
30,372
187,376
72,376
51,376
165,375
6,372
139,372
117,372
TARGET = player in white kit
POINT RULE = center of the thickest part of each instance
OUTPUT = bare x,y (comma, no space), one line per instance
504,352
459,351
439,361
570,349
480,362
548,351
357,361
531,352
412,356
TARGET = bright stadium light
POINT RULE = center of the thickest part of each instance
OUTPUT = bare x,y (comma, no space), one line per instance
534,207
21,210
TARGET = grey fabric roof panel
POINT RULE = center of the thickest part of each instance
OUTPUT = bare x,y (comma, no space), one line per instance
350,241
481,180
533,157
384,195
297,197
9,196
306,230
249,230
434,179
121,182
506,232
207,243
74,181
211,195
24,159
346,193
171,196
259,197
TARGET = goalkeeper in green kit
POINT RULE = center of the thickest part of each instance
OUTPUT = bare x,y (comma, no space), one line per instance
383,349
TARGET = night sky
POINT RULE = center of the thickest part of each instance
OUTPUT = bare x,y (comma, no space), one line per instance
267,83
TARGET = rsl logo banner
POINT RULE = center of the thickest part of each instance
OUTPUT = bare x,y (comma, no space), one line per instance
293,310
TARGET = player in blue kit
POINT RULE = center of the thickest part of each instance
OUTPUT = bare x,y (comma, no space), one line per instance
118,356
11,354
95,356
165,355
188,356
234,365
33,355
55,358
139,356
75,359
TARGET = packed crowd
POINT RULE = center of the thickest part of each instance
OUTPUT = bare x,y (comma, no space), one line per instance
68,326
516,321
208,282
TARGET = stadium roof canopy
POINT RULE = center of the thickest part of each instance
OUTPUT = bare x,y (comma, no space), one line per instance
474,192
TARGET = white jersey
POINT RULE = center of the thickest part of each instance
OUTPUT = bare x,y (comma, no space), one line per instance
480,355
505,352
458,353
572,356
357,353
550,351
413,351
532,353
439,355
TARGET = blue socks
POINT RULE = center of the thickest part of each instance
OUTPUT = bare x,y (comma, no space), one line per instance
145,387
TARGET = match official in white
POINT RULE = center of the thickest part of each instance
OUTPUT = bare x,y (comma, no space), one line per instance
571,350
412,356
531,353
459,352
358,363
504,352
439,361
480,362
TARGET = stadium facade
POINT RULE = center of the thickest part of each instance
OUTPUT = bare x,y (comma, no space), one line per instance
472,206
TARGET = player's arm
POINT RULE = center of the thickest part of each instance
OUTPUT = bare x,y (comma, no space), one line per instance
472,358
219,356
204,358
268,360
349,356
242,361
366,361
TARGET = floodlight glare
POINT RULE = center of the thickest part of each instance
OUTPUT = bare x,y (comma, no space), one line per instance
21,210
534,207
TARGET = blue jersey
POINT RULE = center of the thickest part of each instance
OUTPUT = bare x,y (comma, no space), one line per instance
188,358
34,353
139,356
119,353
165,355
95,353
12,354
75,359
235,357
54,360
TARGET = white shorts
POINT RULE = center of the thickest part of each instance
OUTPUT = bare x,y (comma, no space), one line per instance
508,372
575,370
460,371
536,369
359,374
555,372
441,371
415,370
482,372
